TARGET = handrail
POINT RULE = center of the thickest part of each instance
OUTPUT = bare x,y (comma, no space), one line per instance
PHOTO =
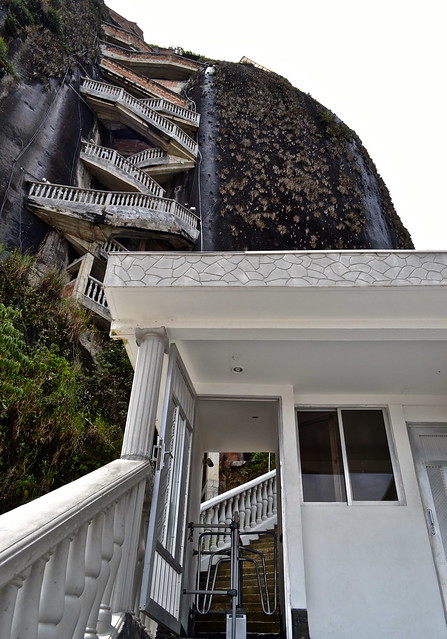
95,291
70,544
172,58
160,104
140,158
125,35
110,156
118,95
134,79
74,194
253,504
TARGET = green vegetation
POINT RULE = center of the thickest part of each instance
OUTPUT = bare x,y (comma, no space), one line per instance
5,64
62,412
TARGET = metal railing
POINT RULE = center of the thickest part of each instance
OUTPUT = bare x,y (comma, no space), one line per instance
76,195
69,558
117,95
253,504
108,156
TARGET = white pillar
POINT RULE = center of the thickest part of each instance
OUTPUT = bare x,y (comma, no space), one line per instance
140,424
138,437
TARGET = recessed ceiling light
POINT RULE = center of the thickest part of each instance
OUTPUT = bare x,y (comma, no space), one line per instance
237,369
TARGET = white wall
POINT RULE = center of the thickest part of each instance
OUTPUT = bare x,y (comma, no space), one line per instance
369,570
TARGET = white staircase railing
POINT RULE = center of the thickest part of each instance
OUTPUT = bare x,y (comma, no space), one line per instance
111,159
254,503
95,291
148,157
76,195
160,104
68,559
117,95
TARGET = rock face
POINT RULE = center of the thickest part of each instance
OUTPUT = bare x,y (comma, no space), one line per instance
40,134
280,171
277,171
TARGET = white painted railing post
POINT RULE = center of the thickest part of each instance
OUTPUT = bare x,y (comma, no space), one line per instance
119,527
75,582
26,617
8,599
92,572
52,601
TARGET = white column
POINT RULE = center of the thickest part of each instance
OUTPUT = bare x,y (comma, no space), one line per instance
138,437
140,423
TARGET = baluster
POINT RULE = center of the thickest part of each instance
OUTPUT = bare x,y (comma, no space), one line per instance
254,507
8,599
264,500
248,509
92,571
274,495
75,582
103,577
52,599
222,520
242,512
88,290
215,521
270,498
235,509
258,491
228,517
26,613
209,540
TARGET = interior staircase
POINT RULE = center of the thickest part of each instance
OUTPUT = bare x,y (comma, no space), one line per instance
213,624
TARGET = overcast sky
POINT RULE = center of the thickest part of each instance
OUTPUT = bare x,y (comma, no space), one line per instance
380,66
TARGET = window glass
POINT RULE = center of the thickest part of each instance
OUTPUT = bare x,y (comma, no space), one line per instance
369,461
345,456
321,459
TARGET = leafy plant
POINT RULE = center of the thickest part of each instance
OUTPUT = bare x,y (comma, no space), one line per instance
62,411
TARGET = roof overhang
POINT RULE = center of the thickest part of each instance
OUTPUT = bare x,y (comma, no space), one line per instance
320,321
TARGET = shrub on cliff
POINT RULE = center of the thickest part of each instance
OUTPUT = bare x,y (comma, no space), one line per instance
62,412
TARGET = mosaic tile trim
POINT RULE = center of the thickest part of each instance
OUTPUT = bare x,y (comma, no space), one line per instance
278,269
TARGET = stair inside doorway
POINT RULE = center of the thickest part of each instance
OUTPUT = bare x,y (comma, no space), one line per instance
213,624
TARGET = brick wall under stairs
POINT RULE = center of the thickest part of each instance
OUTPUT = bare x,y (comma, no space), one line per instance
213,624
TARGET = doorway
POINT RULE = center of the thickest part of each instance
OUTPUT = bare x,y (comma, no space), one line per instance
236,430
429,446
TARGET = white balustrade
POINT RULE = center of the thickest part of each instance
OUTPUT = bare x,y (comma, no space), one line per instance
60,555
77,195
147,157
117,95
159,104
118,162
95,291
112,245
254,503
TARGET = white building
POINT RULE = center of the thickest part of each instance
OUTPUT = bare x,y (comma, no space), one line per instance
354,344
334,360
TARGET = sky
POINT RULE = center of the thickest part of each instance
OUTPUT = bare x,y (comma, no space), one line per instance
380,66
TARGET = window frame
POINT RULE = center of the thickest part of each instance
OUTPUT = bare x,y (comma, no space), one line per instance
347,478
